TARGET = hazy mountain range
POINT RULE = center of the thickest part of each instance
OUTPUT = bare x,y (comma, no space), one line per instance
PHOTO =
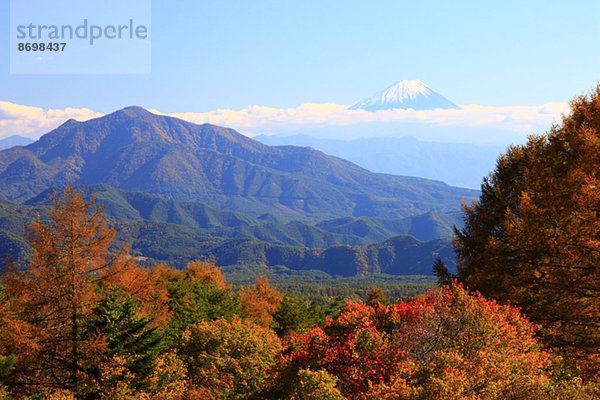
456,164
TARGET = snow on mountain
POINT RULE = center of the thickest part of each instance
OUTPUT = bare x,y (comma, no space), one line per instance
405,94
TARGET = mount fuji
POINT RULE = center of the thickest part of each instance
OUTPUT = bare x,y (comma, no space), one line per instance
405,94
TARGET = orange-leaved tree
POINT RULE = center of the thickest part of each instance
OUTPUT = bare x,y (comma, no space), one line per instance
533,237
260,301
55,292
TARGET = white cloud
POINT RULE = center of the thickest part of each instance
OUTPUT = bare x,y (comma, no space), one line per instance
258,119
508,122
32,122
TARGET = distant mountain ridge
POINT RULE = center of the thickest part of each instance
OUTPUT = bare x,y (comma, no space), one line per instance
14,140
407,94
134,149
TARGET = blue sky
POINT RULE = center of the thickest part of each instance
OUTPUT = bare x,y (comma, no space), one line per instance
230,54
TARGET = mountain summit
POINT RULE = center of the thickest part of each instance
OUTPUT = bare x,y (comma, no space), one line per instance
405,94
136,150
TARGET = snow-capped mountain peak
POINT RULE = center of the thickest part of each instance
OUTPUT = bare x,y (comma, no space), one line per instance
405,94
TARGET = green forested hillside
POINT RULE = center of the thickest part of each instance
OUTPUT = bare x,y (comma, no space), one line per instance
233,239
122,206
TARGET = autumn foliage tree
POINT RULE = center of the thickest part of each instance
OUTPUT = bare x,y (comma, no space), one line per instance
54,294
228,359
533,238
143,285
260,301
